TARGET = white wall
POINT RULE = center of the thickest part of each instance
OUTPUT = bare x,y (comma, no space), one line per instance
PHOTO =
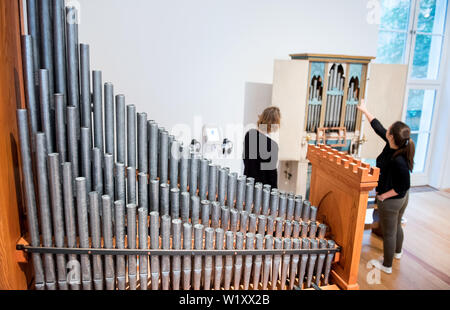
179,59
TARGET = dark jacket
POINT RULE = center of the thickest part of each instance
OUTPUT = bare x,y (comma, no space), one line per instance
261,158
394,172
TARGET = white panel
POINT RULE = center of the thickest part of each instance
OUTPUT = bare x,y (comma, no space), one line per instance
385,98
290,85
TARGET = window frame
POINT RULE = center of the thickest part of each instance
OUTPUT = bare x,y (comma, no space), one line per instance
422,178
415,10
424,174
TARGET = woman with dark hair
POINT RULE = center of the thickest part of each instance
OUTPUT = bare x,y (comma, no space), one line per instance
396,163
261,150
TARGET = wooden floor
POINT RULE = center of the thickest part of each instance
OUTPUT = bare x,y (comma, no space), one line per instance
425,264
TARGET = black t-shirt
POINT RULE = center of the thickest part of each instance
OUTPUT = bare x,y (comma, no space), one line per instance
261,158
394,172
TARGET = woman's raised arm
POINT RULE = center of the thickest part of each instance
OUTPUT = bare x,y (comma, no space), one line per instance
376,125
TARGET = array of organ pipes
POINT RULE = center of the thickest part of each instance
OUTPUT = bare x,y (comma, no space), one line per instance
351,109
333,108
116,180
315,106
336,82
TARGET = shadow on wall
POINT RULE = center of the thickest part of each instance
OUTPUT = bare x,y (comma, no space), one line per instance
258,97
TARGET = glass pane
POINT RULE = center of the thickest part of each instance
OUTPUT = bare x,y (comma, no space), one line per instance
420,109
395,14
391,47
427,57
432,16
421,141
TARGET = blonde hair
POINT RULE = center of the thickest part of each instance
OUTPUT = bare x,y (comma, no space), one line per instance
271,116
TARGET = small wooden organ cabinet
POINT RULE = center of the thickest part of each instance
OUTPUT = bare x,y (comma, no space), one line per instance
318,96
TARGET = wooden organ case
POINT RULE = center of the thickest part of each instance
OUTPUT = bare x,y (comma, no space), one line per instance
340,186
318,96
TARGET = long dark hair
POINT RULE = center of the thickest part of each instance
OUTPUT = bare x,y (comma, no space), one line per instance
402,138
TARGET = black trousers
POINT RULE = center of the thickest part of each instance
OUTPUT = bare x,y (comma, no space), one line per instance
391,214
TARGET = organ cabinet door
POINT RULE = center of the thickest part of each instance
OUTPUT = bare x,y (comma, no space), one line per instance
289,94
318,96
290,90
386,88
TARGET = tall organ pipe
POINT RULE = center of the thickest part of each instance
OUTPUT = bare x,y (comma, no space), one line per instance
85,81
95,228
174,163
187,261
108,176
83,231
131,136
34,31
176,260
131,242
44,87
30,198
109,119
153,150
44,207
107,232
45,24
69,218
142,143
59,40
98,110
73,98
58,217
60,116
143,191
154,244
30,72
120,129
119,225
203,180
143,245
97,173
218,270
72,139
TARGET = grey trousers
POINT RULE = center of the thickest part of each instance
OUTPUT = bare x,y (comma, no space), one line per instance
391,214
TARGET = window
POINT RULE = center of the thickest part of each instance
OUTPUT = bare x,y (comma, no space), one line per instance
419,116
412,32
393,33
429,36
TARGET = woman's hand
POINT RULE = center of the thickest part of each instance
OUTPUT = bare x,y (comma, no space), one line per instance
362,107
387,195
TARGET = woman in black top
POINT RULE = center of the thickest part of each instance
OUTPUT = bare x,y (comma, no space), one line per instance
396,163
260,151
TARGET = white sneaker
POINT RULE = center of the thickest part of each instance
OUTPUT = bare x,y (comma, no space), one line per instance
379,265
398,255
